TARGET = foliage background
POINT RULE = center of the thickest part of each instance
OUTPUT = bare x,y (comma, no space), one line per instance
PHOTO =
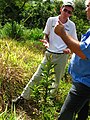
21,27
34,14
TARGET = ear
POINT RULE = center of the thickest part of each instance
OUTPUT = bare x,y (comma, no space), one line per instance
60,9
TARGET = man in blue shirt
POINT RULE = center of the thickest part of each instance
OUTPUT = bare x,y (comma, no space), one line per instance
79,69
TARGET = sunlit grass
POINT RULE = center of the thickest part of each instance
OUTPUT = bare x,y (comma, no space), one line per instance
11,115
14,53
18,62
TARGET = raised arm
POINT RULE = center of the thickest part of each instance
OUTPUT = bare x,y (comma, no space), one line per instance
73,44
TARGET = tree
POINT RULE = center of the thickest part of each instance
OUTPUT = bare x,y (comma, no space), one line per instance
11,10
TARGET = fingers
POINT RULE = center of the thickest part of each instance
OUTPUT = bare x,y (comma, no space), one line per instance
59,23
67,51
59,29
45,43
43,40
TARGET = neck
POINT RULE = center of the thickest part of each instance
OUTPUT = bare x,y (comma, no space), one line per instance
62,19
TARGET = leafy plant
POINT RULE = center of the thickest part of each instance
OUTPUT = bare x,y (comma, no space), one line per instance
81,26
42,92
19,32
33,34
16,31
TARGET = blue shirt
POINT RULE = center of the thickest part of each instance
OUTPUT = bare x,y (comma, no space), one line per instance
79,68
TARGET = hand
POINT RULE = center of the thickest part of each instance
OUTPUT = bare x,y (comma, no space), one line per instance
67,51
59,29
45,43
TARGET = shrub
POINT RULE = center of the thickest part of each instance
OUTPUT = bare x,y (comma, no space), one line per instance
81,26
19,32
14,30
33,34
37,14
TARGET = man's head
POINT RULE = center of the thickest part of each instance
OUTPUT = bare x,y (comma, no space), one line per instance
67,9
87,3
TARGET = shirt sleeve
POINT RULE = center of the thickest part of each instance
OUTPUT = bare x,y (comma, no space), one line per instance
47,27
85,47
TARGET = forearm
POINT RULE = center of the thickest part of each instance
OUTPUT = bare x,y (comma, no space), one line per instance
74,45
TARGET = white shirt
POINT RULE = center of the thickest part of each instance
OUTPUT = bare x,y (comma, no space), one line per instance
56,44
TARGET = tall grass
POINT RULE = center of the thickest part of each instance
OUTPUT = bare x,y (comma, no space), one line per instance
11,115
18,62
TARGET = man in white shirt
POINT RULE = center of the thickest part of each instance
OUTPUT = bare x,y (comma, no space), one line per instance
55,48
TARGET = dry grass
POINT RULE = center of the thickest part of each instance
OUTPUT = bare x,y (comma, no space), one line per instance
18,62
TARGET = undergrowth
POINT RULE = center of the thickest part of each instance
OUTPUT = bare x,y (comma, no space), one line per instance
18,62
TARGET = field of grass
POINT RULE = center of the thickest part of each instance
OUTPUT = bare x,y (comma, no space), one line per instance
18,61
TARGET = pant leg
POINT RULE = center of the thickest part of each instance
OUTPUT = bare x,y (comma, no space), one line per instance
35,79
60,60
79,94
83,113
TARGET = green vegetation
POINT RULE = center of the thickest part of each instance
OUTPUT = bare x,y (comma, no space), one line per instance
28,14
11,115
21,52
18,61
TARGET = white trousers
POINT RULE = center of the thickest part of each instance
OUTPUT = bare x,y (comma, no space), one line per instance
59,59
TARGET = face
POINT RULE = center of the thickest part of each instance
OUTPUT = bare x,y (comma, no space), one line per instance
87,3
66,11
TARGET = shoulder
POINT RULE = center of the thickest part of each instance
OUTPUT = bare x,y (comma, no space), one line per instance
53,18
71,22
88,33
